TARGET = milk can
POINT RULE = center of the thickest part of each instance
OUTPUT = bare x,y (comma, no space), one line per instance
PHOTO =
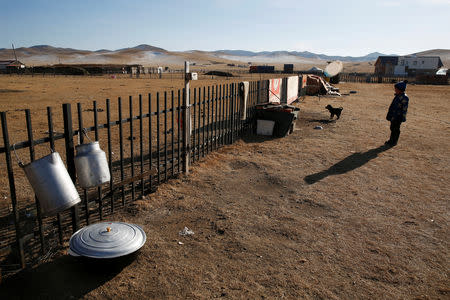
91,165
51,183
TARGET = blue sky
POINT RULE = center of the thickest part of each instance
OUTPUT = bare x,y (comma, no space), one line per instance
338,27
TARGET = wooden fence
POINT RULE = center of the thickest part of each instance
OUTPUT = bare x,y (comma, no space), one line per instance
371,78
135,145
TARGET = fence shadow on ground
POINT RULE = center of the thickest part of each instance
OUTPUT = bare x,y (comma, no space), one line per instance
65,277
349,163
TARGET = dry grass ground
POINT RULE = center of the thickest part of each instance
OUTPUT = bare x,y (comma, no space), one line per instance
37,93
320,214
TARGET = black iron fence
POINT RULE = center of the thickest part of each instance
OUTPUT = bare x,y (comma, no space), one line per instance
145,146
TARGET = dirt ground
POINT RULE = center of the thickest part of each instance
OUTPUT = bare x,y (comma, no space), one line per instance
320,214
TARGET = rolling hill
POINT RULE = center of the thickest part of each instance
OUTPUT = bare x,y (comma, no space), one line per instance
153,56
444,54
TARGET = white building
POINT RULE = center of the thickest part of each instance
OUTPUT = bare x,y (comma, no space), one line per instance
407,65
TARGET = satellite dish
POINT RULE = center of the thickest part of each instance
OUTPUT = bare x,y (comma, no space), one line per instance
442,71
333,68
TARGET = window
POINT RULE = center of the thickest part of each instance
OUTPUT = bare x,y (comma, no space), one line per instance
406,63
415,63
423,62
402,62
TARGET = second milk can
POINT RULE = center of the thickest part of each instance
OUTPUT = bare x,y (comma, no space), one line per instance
91,165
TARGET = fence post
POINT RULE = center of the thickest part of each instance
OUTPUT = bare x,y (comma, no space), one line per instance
12,189
111,182
52,146
70,158
232,108
32,157
187,120
258,93
99,189
81,141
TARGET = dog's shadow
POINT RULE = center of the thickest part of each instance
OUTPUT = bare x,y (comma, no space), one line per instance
349,163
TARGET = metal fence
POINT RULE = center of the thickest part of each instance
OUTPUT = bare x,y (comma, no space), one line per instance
372,78
145,136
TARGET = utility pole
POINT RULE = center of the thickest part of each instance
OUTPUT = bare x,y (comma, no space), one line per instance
14,50
187,119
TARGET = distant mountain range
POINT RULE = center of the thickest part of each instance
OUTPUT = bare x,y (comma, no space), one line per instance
150,55
304,54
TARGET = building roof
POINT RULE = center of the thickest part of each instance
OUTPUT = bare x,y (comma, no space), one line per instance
387,59
11,63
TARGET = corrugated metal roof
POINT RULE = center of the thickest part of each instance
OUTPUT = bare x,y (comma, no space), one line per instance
387,59
12,63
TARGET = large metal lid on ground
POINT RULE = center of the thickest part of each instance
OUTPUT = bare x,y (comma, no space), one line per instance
333,68
107,240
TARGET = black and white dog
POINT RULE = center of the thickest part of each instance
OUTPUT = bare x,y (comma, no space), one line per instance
334,111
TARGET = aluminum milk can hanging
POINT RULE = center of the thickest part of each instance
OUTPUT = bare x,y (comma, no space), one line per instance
91,165
51,183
